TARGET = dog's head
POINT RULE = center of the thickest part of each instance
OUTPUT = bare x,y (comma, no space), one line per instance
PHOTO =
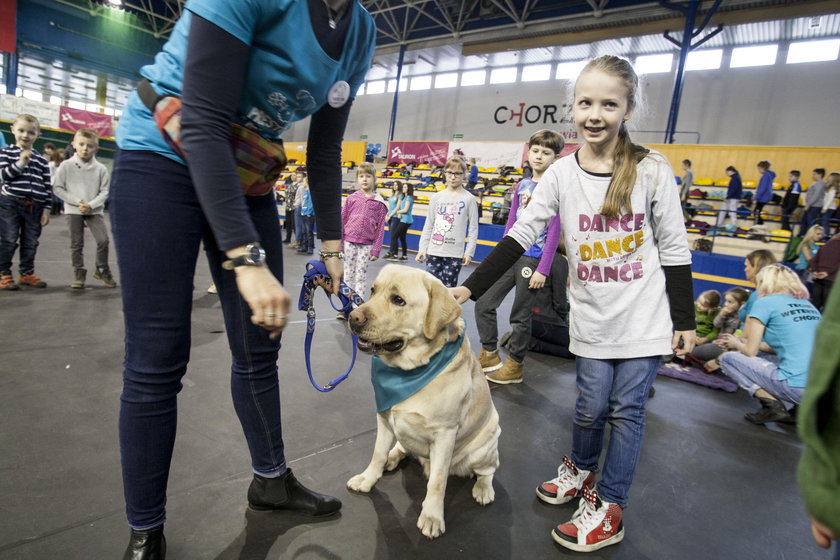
410,315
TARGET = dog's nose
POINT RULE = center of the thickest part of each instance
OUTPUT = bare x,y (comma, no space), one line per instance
357,317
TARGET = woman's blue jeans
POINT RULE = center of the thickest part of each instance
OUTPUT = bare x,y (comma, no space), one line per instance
613,391
158,228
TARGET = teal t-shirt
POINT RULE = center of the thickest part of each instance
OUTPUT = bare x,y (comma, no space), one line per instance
745,309
802,263
790,327
289,75
407,204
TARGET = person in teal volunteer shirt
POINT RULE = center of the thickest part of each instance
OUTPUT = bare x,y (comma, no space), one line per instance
783,319
228,62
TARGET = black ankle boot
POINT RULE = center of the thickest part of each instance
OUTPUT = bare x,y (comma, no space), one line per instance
146,545
771,411
287,494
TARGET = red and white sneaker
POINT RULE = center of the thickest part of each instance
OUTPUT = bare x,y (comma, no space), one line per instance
567,485
594,525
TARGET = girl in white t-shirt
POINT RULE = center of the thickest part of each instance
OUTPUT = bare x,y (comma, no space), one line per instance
630,293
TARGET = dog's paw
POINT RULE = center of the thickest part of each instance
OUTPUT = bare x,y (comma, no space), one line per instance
483,492
361,483
431,525
396,455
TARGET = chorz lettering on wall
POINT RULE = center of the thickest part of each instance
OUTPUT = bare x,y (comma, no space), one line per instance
546,114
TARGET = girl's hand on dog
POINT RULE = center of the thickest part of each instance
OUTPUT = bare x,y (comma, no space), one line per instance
268,299
460,293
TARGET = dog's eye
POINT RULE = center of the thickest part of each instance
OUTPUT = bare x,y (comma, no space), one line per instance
372,290
397,300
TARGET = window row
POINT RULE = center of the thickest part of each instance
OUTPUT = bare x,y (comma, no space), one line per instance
92,107
702,59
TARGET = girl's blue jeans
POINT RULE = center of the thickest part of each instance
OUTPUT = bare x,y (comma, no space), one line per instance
158,228
614,392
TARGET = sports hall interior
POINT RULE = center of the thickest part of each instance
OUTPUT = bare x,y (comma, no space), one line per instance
479,77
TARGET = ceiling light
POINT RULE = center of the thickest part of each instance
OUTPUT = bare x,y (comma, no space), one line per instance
115,2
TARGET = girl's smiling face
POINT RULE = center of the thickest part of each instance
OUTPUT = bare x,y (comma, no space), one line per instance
601,106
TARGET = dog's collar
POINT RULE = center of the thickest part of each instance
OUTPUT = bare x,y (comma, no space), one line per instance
392,385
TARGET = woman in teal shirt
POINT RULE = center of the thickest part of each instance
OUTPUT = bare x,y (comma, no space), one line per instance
262,65
403,215
783,321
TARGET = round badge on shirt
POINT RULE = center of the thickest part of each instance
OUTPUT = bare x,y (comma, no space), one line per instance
339,94
526,272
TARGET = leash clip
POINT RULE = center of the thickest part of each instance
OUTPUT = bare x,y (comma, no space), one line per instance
315,269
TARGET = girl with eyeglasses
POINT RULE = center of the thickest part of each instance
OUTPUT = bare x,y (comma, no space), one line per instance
452,216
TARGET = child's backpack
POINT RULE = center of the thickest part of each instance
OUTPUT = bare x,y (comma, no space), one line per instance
792,249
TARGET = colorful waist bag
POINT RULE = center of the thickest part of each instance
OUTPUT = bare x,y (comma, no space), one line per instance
259,161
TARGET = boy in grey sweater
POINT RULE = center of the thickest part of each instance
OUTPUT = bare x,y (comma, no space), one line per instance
83,183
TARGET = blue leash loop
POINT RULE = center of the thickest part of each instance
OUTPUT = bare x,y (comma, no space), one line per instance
348,298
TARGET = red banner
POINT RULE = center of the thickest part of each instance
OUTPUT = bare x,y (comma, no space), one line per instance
8,18
433,153
74,119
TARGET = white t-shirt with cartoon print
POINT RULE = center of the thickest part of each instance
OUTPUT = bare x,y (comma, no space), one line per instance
452,217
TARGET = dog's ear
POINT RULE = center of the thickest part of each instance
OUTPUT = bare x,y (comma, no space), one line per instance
442,310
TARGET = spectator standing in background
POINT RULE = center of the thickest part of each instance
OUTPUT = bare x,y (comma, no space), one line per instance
813,200
687,180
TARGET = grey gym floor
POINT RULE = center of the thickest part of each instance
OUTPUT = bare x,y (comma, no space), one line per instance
709,484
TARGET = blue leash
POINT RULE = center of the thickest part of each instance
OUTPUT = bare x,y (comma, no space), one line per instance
316,269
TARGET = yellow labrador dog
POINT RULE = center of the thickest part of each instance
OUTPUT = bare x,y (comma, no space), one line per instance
450,423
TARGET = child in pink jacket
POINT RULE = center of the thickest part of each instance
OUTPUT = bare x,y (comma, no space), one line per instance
363,226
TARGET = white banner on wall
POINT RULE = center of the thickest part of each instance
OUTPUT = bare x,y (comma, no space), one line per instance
11,106
491,154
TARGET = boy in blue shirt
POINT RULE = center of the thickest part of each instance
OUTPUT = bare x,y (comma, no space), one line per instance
526,277
24,196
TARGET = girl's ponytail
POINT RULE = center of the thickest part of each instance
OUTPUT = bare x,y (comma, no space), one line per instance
627,157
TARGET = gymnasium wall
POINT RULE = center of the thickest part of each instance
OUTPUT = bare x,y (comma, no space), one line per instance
780,105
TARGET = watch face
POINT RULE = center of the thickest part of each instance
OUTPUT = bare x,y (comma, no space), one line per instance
256,254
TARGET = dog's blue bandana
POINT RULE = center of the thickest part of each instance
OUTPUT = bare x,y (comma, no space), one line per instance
392,385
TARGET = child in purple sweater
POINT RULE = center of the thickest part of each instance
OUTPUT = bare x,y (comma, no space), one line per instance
527,276
363,227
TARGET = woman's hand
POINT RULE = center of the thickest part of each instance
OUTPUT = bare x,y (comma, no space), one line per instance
537,281
729,341
334,266
822,534
268,299
460,293
683,342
